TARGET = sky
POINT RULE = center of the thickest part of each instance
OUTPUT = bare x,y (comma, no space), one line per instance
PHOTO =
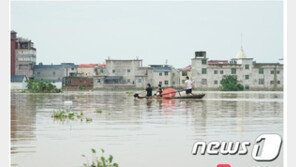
90,32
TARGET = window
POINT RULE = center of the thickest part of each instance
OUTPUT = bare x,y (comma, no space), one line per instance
128,80
278,72
128,70
113,71
84,81
261,81
278,82
204,61
184,73
215,82
99,80
173,74
215,71
261,71
221,71
166,82
160,83
233,71
204,81
160,74
139,80
183,81
247,66
272,72
247,87
53,73
247,76
166,73
204,71
174,83
271,82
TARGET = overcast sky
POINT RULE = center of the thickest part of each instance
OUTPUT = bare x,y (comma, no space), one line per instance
90,32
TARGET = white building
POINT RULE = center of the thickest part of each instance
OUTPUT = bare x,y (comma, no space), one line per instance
250,74
18,82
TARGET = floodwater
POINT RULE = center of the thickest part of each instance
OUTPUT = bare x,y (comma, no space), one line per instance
140,132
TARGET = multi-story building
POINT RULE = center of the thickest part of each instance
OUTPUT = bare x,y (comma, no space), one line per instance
82,83
183,73
54,73
25,57
165,75
250,74
12,52
87,70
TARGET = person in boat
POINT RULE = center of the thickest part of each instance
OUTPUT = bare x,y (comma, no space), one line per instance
159,90
148,90
188,86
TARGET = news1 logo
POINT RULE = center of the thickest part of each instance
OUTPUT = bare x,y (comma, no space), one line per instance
267,147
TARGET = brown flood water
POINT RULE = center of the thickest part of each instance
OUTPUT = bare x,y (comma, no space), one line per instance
140,132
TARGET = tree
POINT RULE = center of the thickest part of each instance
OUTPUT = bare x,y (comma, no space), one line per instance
230,83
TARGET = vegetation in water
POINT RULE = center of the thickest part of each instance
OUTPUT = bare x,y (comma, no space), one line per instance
99,160
98,111
230,83
62,115
35,86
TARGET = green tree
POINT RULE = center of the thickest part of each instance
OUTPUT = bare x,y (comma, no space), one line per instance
230,83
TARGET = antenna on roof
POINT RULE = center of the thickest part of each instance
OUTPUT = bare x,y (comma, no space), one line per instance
241,41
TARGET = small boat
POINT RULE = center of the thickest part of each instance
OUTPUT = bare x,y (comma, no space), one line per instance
194,96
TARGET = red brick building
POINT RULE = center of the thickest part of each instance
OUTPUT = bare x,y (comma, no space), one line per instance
12,52
83,83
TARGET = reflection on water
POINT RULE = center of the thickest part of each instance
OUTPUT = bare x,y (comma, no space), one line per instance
140,132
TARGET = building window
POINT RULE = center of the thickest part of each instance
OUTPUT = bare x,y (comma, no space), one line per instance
261,71
221,71
261,81
113,71
174,83
278,82
160,74
271,82
84,81
128,80
204,61
278,72
247,76
215,82
160,83
247,87
247,66
99,81
128,70
204,81
173,74
183,81
184,73
204,71
53,73
139,80
215,71
101,70
166,82
166,73
233,71
271,72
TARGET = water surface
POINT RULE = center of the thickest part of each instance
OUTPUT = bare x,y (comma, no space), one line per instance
140,132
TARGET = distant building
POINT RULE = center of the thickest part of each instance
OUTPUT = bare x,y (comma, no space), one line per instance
25,55
18,82
87,70
54,73
83,83
12,52
165,75
250,74
183,73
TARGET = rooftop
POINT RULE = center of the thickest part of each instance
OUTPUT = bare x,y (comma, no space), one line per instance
17,78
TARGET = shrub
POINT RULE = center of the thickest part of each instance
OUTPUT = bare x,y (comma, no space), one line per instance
230,83
41,87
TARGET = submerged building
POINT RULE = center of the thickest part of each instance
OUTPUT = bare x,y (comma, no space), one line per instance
252,75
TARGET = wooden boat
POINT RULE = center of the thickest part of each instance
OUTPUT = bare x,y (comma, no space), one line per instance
194,96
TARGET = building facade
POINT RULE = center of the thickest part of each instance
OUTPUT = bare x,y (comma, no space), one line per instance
165,75
25,57
251,75
12,52
18,82
74,83
87,70
183,73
